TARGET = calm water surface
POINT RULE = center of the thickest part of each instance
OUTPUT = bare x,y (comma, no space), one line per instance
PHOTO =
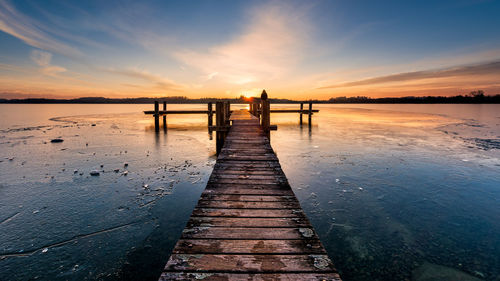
396,192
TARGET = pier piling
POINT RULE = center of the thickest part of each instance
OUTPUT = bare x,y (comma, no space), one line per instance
301,112
309,118
220,122
165,117
210,116
157,117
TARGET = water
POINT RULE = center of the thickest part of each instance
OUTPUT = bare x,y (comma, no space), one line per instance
396,192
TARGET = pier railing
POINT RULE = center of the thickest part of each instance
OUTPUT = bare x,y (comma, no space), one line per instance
259,109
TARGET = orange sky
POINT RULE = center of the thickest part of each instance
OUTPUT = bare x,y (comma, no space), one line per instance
293,50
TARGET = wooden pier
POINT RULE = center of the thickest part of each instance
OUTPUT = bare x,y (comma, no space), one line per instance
255,108
248,224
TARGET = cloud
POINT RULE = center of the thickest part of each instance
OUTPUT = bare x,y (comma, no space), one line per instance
158,81
53,70
31,31
267,48
488,68
43,59
212,75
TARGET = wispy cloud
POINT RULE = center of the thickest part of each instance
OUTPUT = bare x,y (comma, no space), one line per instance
43,60
266,49
53,70
158,81
488,68
30,31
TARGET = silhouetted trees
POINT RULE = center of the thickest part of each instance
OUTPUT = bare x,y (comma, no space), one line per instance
472,97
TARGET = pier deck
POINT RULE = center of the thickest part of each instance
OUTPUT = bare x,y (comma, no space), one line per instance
248,224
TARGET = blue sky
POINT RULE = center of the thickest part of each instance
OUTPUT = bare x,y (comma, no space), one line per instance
294,49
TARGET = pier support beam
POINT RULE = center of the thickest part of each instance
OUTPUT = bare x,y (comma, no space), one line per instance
165,117
210,116
157,117
220,121
309,118
266,115
256,109
227,112
301,112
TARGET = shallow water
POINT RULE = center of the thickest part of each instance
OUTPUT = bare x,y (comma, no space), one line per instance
395,191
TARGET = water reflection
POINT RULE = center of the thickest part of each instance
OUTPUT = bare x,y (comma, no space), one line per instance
394,193
392,196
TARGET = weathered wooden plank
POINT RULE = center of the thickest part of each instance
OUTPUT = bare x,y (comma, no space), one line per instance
247,222
216,246
217,184
248,190
250,276
251,198
249,213
245,133
247,205
249,163
247,145
205,232
243,156
250,263
265,166
246,128
248,150
245,176
249,142
227,169
247,181
239,171
247,138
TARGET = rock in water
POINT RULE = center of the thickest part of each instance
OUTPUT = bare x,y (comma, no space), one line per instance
94,173
56,140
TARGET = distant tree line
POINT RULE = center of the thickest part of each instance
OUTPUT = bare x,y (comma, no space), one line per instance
142,100
473,97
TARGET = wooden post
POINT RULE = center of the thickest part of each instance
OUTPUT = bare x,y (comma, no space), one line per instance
310,114
310,111
219,121
165,116
210,115
266,117
157,117
301,111
258,110
250,108
227,112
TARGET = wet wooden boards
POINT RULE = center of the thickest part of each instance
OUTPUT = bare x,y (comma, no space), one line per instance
248,224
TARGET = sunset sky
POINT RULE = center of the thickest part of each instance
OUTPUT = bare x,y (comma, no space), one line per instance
293,49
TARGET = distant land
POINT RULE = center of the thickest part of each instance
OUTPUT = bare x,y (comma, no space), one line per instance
472,97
